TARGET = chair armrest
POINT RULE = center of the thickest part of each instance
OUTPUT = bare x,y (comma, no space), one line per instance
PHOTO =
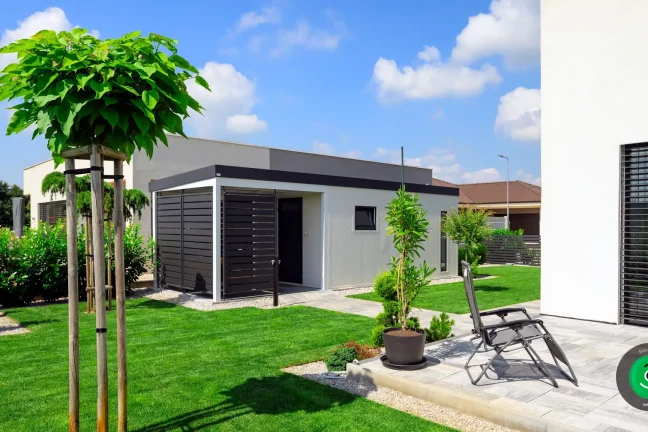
516,323
502,312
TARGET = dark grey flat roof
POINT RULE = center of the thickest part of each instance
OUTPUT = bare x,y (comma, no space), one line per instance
226,171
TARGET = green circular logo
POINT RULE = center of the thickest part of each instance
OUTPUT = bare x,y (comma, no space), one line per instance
639,377
632,377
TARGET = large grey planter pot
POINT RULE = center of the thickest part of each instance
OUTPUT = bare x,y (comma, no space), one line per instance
405,351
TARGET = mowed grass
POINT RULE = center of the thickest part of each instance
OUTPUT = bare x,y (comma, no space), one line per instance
512,285
191,370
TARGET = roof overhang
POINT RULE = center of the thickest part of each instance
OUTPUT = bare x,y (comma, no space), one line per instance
292,177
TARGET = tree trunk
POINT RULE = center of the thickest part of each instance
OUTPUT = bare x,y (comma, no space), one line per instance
120,288
73,296
96,162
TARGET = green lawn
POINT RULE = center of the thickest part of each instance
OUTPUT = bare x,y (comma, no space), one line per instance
512,285
191,370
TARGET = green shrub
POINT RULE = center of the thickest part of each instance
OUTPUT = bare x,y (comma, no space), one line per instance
11,277
340,357
507,231
35,265
376,337
440,328
138,254
385,286
44,251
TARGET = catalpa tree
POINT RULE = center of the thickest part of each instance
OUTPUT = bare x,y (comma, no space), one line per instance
122,93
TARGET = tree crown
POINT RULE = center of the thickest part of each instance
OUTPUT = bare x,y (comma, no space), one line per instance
123,93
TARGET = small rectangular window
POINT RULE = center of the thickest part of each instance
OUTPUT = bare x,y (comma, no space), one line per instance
50,212
444,247
365,218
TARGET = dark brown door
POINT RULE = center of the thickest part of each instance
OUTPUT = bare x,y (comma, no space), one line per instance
290,240
249,247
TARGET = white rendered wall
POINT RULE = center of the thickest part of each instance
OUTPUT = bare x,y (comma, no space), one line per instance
594,87
33,178
312,240
356,257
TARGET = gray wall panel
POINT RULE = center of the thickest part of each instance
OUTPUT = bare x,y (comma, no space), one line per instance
285,160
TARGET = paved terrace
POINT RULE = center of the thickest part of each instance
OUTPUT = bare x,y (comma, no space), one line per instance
514,393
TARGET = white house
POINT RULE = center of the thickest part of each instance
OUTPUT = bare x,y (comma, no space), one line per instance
595,160
325,224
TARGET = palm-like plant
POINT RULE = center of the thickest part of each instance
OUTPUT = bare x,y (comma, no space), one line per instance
408,225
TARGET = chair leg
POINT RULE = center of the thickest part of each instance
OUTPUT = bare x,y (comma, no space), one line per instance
539,363
553,346
498,351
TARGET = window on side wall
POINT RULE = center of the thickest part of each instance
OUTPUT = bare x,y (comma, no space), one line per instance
365,218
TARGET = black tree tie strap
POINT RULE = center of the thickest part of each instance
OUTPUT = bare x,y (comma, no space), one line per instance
102,330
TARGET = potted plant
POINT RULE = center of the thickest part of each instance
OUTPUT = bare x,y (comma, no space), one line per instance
408,226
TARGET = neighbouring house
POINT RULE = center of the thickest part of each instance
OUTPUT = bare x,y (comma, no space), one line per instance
595,160
524,201
327,218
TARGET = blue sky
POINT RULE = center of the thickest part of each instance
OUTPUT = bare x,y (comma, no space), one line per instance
456,83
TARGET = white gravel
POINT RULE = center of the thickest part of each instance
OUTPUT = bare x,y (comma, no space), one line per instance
399,401
200,303
10,327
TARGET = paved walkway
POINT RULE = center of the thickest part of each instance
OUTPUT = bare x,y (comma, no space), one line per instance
335,301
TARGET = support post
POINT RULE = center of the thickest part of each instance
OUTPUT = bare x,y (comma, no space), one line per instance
109,285
120,288
276,262
96,165
73,296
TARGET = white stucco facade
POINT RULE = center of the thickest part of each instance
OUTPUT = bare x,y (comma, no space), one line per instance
594,86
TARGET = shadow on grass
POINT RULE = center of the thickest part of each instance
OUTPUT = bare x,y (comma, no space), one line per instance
488,288
273,395
37,322
152,304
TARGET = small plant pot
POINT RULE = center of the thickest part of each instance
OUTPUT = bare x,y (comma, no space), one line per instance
404,348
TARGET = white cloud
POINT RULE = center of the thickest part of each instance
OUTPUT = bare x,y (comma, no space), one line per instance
245,124
443,163
430,80
529,178
50,19
303,35
325,148
252,19
518,114
429,54
232,95
481,176
511,30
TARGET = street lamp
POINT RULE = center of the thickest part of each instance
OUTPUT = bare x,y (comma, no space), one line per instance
507,190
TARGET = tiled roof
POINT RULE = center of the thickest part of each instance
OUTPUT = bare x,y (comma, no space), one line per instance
495,192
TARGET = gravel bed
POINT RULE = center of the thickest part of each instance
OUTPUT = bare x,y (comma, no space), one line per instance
399,401
10,327
200,303
345,292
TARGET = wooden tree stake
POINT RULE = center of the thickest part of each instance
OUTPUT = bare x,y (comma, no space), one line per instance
73,295
120,288
98,252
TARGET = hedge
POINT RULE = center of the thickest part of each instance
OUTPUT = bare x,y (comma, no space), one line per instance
35,265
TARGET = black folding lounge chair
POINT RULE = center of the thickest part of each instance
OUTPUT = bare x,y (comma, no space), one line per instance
515,334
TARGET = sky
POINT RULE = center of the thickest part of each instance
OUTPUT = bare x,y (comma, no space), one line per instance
455,83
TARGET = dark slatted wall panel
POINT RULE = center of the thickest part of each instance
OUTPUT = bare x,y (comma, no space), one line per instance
634,235
514,249
185,233
249,242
